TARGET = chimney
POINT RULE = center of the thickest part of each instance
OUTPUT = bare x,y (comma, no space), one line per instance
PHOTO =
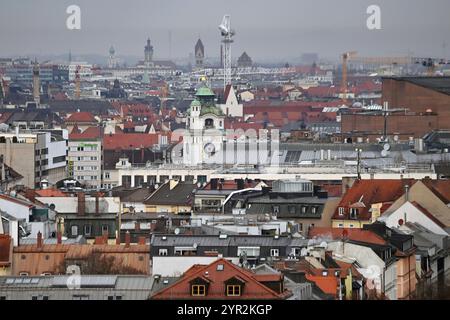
406,192
97,204
240,184
59,237
39,242
214,184
81,204
127,239
141,240
118,238
105,236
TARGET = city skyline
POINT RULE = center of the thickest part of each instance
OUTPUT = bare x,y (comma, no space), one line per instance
282,30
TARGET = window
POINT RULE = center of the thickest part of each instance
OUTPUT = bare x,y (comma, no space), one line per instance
314,210
304,209
74,230
341,225
274,252
276,209
353,213
300,226
87,229
105,228
220,267
341,211
107,175
198,290
163,252
291,209
2,297
23,274
233,290
59,159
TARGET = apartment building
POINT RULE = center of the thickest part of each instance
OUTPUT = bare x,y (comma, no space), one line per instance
38,156
85,158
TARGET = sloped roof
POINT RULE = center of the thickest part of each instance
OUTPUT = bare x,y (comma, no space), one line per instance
359,235
90,133
82,116
181,194
127,141
370,192
253,288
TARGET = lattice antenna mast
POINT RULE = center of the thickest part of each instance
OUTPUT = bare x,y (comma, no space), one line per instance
227,34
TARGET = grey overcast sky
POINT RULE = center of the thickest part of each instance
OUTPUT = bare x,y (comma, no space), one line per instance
265,29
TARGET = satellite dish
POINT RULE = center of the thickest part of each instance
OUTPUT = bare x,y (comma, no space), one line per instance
195,245
395,138
177,231
387,146
384,153
323,245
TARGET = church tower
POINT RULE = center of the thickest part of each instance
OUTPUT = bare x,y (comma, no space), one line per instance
112,62
199,53
148,53
36,83
202,142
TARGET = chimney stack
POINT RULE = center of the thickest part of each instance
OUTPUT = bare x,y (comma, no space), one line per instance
81,204
58,237
39,240
97,204
141,240
127,239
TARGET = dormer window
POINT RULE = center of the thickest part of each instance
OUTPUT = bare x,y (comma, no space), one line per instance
353,213
233,290
341,211
198,290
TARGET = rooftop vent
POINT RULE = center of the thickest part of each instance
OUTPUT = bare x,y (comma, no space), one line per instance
164,238
223,236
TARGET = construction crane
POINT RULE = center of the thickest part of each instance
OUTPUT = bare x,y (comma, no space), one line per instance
345,57
77,83
227,34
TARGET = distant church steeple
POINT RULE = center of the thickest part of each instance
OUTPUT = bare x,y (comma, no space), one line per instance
199,53
148,53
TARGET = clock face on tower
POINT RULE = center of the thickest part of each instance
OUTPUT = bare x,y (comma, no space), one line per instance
209,148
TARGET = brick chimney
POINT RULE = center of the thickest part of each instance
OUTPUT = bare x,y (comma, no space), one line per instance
58,237
97,204
127,239
39,242
81,204
141,240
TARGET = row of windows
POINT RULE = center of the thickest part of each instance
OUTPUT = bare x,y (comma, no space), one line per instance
199,290
293,209
84,158
87,168
165,252
41,151
85,148
87,229
86,178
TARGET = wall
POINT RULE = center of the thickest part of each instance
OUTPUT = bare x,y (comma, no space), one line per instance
20,157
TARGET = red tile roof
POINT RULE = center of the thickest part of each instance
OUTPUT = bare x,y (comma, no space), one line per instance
88,134
441,188
360,235
127,141
369,192
50,193
429,214
328,284
82,116
216,279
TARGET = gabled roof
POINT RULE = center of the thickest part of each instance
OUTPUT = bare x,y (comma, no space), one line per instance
429,214
181,194
90,133
82,116
253,289
127,141
369,192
